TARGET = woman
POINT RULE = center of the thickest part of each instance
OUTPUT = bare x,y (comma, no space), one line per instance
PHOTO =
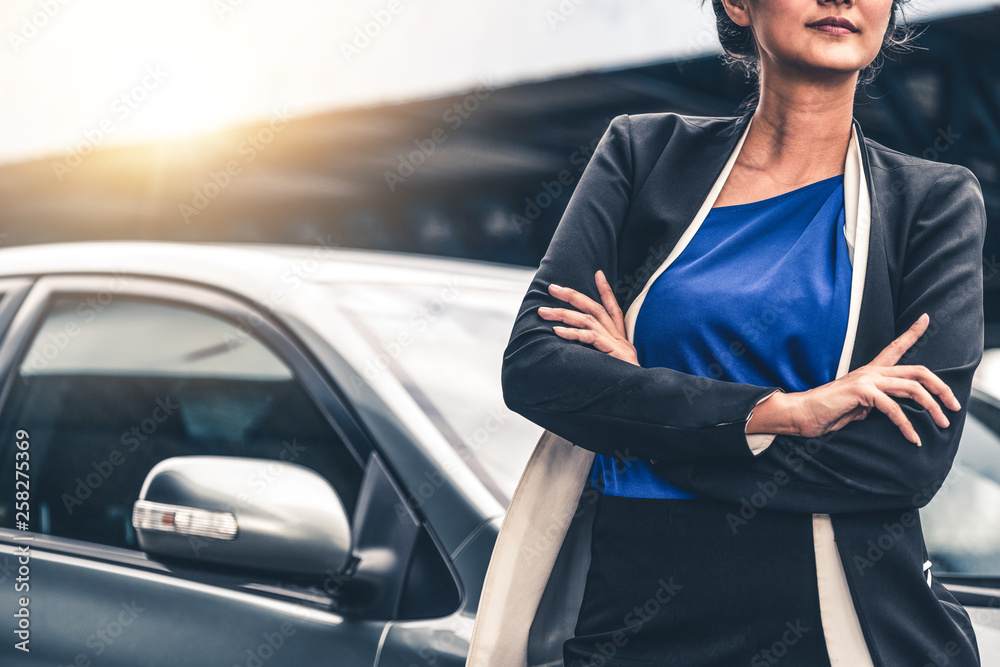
748,406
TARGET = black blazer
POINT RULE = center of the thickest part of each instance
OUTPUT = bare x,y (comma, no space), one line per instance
644,184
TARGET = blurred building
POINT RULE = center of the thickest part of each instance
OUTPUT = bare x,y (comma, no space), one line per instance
485,173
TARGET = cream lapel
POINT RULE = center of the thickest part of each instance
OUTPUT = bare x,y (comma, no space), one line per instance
534,527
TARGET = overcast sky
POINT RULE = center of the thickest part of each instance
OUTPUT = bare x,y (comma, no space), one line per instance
111,71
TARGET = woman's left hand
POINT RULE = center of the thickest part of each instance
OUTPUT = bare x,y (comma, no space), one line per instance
600,326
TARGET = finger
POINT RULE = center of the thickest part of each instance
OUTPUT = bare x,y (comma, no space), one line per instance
927,377
584,336
584,303
894,350
860,412
895,413
610,303
573,318
913,389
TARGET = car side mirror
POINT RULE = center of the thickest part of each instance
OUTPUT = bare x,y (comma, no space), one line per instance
254,513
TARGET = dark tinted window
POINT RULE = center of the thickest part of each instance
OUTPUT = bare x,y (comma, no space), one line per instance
105,395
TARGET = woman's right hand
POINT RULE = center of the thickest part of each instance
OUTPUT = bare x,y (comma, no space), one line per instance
831,406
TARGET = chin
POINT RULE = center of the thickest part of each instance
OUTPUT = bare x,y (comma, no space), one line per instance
828,64
831,69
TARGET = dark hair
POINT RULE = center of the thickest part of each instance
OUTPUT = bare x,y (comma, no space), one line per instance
741,48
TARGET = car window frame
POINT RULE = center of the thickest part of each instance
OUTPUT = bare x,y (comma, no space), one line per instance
12,294
26,308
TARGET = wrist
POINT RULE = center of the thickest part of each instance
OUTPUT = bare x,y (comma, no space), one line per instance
775,414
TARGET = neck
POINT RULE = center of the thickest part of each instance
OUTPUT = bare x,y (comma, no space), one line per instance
802,125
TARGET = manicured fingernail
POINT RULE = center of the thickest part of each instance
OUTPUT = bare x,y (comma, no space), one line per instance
555,287
544,308
918,441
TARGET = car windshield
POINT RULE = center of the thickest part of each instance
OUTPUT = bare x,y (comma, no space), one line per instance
445,345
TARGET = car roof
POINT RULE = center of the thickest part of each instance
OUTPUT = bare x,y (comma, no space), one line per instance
255,270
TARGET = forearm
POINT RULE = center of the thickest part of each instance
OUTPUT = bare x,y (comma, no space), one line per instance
778,414
613,407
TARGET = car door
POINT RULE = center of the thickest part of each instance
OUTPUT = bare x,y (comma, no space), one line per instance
105,376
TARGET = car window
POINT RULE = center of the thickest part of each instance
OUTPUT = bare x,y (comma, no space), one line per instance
961,523
107,393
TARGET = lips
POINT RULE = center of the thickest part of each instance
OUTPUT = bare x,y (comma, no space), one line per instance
834,25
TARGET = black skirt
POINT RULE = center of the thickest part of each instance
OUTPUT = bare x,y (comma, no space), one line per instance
695,583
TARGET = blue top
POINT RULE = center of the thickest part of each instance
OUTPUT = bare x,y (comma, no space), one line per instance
760,295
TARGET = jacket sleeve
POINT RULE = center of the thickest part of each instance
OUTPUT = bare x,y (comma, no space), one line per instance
868,464
594,400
